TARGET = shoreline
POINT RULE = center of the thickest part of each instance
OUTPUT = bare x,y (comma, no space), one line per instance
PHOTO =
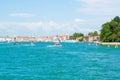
109,43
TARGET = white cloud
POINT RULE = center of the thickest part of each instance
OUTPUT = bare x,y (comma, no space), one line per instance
77,20
43,28
97,12
25,15
99,7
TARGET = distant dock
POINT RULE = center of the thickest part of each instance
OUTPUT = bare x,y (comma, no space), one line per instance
116,44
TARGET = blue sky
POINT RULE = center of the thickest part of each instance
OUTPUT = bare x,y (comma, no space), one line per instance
51,17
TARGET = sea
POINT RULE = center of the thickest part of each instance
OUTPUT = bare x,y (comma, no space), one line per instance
69,61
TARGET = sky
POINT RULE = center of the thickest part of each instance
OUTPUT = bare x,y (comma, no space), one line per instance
55,17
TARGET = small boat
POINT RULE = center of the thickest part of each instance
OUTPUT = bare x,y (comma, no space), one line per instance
15,41
32,41
32,44
57,41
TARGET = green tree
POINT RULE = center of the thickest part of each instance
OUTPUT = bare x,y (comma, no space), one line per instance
117,19
95,33
110,31
90,33
76,35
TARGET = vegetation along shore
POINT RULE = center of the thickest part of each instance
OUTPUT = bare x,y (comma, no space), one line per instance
109,34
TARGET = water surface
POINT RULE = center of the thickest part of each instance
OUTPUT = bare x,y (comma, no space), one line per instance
71,61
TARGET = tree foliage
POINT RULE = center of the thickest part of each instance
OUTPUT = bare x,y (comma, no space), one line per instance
110,31
76,35
95,33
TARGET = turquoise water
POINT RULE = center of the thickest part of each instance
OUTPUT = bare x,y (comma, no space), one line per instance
71,61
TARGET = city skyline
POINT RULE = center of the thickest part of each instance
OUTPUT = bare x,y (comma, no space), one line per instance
51,17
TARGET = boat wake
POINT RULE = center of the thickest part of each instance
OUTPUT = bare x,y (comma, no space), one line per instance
29,45
54,46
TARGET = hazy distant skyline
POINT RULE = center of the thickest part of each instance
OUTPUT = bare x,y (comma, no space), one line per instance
51,17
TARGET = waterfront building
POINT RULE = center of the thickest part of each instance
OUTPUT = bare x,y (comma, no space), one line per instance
91,38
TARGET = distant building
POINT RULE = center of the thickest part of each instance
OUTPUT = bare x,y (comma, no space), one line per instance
39,39
5,39
23,38
64,37
79,39
2,39
91,38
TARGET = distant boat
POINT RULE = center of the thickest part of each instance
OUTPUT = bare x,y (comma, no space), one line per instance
70,41
57,41
32,41
15,41
8,40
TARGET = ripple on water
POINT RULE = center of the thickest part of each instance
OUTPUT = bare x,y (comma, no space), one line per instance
71,61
